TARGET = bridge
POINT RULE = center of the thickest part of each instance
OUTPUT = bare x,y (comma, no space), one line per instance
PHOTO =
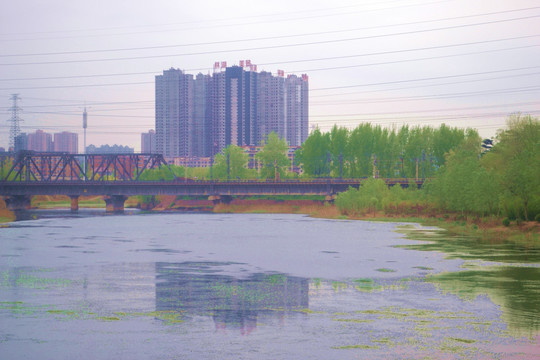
118,176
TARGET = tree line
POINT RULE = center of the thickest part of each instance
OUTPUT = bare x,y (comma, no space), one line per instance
504,181
375,151
460,174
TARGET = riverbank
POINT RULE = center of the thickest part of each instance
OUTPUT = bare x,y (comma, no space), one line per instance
487,227
5,214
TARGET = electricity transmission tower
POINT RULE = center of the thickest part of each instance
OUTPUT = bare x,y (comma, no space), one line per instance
15,128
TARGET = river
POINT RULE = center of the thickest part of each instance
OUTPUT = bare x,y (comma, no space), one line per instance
260,286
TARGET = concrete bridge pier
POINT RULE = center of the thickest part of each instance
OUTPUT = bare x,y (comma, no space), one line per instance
18,202
74,203
114,203
220,199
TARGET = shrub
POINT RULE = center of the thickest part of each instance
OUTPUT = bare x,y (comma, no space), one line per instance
537,217
506,222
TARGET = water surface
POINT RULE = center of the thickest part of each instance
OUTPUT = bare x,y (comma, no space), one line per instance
253,286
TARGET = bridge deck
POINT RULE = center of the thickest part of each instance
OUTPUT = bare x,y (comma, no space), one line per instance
186,187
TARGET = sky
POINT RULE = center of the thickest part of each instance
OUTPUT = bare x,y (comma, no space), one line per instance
389,62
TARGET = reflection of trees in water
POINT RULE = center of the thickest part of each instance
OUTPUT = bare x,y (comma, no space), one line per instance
471,248
197,288
515,289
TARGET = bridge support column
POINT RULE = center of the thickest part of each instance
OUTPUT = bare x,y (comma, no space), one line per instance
74,203
220,199
18,202
115,203
329,199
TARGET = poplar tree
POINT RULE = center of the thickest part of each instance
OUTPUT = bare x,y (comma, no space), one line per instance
273,157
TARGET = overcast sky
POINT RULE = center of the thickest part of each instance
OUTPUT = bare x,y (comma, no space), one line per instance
416,62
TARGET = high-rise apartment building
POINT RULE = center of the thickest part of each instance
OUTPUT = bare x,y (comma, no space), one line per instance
40,141
148,142
21,142
296,109
66,142
270,106
199,116
201,124
174,111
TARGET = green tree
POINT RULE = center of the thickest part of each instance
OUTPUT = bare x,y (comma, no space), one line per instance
338,140
463,184
514,161
361,151
314,154
370,196
5,166
444,140
386,152
274,157
162,173
231,164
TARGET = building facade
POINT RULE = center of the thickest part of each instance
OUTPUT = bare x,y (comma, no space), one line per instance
66,142
21,142
148,142
174,110
296,109
108,149
198,116
199,161
40,141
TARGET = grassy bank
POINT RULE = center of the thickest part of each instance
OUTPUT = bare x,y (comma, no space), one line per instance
483,227
60,201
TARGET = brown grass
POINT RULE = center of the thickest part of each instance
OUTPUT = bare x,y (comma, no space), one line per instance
5,214
270,206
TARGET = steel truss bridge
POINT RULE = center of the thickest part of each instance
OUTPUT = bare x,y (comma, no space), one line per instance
117,176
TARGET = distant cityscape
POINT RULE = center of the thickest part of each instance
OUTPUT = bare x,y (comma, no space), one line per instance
197,116
66,142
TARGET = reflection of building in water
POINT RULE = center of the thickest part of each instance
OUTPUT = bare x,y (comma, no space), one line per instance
232,302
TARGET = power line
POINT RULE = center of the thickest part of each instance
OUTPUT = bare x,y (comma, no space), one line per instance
79,86
428,97
312,103
421,119
317,59
381,121
272,46
239,24
313,116
425,79
411,60
402,50
316,89
431,110
190,22
267,37
422,86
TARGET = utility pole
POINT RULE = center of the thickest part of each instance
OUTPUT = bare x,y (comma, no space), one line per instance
228,166
15,128
84,125
340,165
374,158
